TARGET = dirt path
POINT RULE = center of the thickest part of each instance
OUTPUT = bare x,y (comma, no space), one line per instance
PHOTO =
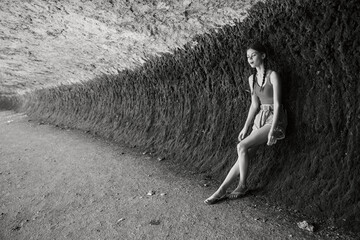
61,184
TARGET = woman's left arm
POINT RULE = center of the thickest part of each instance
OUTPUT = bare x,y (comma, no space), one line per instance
275,81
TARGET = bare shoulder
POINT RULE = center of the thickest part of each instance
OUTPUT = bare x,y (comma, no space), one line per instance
274,77
251,80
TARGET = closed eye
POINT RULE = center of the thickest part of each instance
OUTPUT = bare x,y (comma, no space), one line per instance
252,55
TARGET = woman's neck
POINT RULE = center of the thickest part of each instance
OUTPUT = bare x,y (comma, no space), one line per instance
260,69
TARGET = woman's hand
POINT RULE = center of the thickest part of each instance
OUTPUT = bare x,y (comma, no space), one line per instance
242,134
271,139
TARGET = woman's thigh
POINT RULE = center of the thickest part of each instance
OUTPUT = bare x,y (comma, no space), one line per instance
257,137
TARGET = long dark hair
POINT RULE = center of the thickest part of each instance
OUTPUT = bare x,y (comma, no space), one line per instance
257,46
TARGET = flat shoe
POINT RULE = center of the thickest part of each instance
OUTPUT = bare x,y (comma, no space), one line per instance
236,195
211,201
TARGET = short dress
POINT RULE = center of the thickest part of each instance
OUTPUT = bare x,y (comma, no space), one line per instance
266,112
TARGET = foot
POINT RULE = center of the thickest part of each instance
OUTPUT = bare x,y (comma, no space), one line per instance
216,197
239,192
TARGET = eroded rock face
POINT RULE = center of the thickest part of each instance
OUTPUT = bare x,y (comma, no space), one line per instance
44,43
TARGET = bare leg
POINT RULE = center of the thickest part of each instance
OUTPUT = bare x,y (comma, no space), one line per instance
246,147
233,174
256,138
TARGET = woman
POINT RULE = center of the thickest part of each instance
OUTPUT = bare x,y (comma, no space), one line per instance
268,127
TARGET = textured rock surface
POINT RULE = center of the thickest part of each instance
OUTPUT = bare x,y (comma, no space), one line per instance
49,42
190,106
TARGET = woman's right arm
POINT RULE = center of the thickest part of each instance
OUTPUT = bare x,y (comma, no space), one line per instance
252,111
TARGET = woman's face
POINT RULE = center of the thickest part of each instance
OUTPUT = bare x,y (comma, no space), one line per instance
255,58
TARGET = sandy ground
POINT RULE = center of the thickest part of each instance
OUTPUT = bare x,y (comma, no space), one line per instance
66,184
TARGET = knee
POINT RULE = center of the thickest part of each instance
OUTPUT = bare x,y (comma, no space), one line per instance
241,148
